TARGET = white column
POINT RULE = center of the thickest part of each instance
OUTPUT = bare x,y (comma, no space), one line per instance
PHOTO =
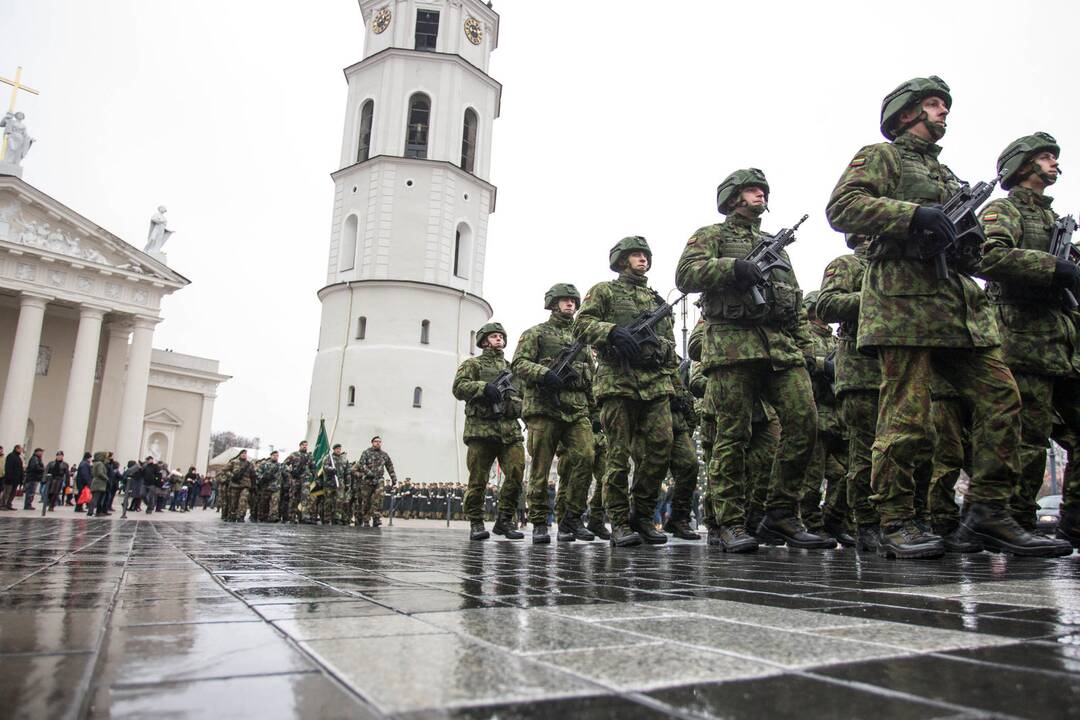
202,446
80,389
133,406
19,388
112,384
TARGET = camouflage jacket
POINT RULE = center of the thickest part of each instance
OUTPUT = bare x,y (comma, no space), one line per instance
481,420
336,472
838,302
823,343
620,302
373,464
903,301
536,349
241,473
1039,335
300,465
269,475
735,329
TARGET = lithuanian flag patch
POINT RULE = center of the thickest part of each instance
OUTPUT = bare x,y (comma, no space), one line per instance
990,217
859,161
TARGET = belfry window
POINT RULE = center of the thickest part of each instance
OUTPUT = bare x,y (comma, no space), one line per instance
363,151
427,29
416,135
468,141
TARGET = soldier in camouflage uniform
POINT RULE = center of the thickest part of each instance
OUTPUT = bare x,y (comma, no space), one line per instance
300,468
372,466
920,324
492,432
556,416
241,480
684,465
952,453
224,494
858,377
829,462
751,352
1040,331
633,387
336,479
270,478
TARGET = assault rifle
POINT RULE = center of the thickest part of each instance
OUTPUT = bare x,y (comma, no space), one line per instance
766,255
643,328
563,368
960,209
1062,248
503,384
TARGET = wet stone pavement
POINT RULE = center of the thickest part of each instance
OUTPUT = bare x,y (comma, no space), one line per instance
166,620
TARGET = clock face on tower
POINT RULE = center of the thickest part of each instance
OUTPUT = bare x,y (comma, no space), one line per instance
381,21
474,31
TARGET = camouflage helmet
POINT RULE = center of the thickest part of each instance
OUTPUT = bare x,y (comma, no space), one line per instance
561,290
734,183
626,246
906,95
1019,151
489,329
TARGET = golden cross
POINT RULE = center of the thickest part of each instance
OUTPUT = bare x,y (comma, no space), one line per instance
16,86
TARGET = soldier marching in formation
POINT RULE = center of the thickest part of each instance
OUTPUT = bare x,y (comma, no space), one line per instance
807,438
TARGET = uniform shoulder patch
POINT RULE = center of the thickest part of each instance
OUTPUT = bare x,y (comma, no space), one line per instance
990,217
830,271
858,161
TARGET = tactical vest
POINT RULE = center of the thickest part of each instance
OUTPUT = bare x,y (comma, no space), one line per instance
625,308
923,181
730,306
551,342
481,408
1037,230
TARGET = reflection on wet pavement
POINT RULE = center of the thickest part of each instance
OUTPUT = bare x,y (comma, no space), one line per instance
142,619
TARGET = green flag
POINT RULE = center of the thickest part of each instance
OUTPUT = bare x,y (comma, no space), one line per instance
319,457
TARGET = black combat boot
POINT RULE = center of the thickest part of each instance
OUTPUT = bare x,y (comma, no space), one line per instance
579,529
644,527
957,539
597,528
905,541
999,532
781,526
477,531
623,536
868,537
680,527
838,532
712,535
566,530
735,539
753,519
540,534
504,527
1069,527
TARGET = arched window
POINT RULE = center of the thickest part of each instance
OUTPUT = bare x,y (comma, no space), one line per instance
351,395
462,251
425,329
416,135
361,327
349,235
417,396
468,141
363,151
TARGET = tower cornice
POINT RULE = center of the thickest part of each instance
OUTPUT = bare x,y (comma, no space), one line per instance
401,160
390,282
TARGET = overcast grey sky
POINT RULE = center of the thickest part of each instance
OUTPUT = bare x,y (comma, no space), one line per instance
618,118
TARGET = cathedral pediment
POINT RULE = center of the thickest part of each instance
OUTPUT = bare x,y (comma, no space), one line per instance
36,225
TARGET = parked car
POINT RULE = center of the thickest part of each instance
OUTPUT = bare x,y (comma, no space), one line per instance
1049,512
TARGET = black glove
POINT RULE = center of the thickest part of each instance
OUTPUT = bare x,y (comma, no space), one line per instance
1066,274
811,364
492,394
934,221
597,427
747,275
830,369
623,343
551,380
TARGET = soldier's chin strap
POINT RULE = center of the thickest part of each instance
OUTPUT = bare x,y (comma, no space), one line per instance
936,130
757,210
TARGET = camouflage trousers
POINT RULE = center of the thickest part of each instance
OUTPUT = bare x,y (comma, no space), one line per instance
1042,397
225,504
268,504
575,441
683,468
734,392
905,435
596,499
239,503
952,453
1069,438
828,467
624,419
859,412
371,498
304,506
764,440
478,459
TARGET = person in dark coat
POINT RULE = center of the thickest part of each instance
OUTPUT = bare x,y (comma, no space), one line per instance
35,473
151,476
84,475
56,477
13,477
99,485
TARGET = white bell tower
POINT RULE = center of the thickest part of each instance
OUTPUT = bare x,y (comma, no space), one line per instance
408,237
